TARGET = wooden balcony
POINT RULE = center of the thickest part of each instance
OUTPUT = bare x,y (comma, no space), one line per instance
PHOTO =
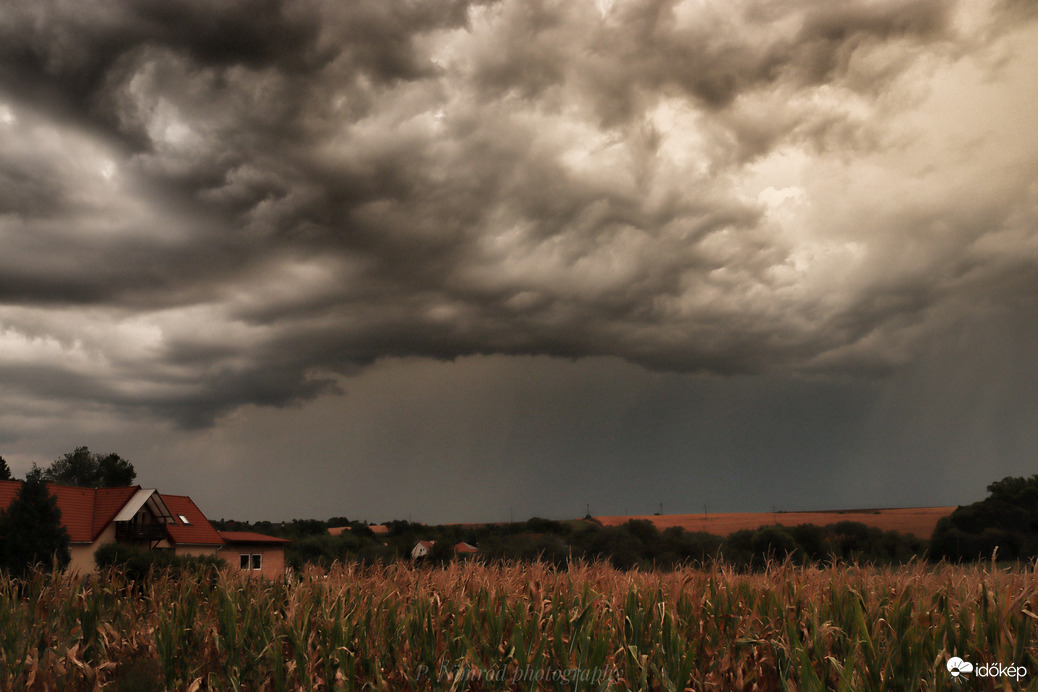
129,532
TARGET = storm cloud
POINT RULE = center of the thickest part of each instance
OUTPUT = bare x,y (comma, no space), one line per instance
209,206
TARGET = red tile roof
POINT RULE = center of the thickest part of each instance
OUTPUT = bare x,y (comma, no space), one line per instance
85,512
198,530
249,537
107,503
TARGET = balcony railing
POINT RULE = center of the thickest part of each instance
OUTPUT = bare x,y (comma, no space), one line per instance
128,531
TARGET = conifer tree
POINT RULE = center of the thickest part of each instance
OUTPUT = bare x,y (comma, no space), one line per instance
30,529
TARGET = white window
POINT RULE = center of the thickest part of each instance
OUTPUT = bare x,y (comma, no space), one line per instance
252,562
184,519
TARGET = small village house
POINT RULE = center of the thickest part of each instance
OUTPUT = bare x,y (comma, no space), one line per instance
421,549
463,548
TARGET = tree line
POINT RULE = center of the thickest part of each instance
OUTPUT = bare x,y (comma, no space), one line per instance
1002,526
637,543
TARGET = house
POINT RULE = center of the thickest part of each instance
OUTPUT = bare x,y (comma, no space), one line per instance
254,553
462,549
136,516
421,549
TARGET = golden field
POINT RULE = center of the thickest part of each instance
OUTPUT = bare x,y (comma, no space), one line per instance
917,521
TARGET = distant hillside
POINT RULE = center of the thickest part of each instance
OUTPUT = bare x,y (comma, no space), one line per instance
916,521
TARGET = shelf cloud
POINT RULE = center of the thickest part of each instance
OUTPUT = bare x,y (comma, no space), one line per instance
209,206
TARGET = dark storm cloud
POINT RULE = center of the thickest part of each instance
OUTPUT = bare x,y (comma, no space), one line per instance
207,206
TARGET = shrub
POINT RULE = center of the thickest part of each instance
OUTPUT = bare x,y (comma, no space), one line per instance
140,564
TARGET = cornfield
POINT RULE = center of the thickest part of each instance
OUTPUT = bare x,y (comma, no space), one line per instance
470,626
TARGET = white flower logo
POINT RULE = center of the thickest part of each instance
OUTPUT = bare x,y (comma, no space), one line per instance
957,667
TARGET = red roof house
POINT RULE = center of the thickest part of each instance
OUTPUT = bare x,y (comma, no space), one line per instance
132,515
465,548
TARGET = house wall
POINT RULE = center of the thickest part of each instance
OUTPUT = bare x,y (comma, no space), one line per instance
273,559
82,558
83,553
83,562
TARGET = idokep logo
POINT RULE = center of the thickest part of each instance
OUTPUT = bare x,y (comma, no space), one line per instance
957,667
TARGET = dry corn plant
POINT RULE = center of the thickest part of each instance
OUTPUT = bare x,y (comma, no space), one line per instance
472,626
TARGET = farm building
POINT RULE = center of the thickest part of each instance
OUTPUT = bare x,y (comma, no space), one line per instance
134,516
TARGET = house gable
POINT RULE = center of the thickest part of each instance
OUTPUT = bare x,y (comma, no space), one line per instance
107,504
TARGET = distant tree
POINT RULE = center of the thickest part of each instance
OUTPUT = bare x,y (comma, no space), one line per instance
1004,524
441,553
115,472
644,530
539,525
680,546
30,528
362,530
612,543
299,528
87,469
5,470
772,543
813,542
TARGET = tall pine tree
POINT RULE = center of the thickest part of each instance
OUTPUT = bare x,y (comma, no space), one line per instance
30,529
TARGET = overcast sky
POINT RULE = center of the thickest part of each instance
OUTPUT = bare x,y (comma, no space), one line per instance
462,261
